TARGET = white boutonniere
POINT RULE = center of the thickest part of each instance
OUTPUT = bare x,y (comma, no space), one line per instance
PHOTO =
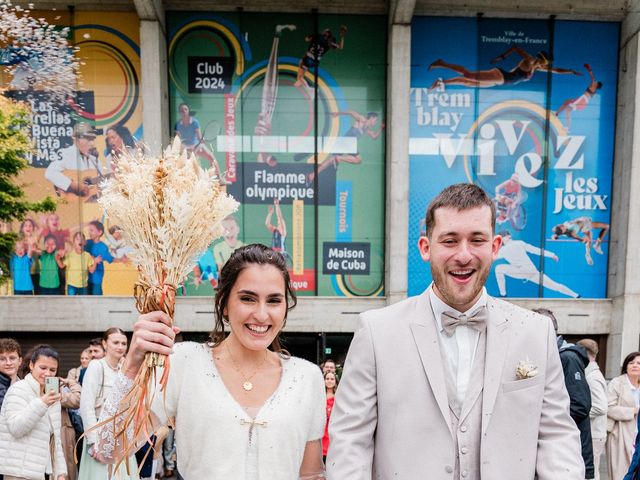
526,369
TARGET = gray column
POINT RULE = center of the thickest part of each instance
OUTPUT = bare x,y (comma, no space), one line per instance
397,161
624,253
154,86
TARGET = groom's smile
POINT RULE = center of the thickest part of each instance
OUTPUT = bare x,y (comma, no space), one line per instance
462,276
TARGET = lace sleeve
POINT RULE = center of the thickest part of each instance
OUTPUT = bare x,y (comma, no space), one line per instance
109,424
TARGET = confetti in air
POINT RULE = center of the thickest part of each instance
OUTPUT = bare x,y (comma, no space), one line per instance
36,55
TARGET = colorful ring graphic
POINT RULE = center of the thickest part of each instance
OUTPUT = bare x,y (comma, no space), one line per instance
128,104
343,285
524,110
229,33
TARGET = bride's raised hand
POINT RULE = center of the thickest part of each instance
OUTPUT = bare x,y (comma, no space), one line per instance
151,333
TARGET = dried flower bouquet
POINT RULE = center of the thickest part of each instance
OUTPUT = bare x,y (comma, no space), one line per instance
170,210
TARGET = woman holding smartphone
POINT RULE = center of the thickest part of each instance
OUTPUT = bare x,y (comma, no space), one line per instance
30,440
96,386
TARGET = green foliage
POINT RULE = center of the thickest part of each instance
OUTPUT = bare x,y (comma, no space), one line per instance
14,146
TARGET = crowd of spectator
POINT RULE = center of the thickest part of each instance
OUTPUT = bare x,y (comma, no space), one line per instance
31,413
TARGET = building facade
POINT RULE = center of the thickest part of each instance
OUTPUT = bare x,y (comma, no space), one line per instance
334,125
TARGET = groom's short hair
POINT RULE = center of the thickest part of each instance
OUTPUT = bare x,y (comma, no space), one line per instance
460,196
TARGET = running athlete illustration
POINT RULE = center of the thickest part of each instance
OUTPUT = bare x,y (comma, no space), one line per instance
582,101
318,45
583,225
520,266
269,97
495,77
279,231
362,125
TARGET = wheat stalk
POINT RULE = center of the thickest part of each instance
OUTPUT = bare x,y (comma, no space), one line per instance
170,210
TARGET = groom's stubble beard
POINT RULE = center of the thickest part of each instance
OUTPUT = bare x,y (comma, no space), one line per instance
454,295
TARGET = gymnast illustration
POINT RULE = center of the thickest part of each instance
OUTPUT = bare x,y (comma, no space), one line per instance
581,102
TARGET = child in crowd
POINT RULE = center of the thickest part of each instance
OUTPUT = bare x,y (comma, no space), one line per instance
49,277
52,227
77,264
205,269
10,361
30,234
6,283
116,243
210,263
20,264
223,250
100,253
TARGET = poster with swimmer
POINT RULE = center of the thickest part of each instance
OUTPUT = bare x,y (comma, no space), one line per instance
526,110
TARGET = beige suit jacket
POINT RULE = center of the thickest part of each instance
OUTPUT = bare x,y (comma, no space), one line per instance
391,416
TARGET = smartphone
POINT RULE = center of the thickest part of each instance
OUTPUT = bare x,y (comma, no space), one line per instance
52,384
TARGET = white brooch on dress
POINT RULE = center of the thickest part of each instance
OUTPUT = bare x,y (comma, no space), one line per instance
526,369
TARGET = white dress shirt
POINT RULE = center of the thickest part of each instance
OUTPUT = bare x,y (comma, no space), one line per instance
460,348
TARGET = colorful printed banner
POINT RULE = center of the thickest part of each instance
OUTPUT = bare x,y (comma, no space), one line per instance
526,110
76,146
294,117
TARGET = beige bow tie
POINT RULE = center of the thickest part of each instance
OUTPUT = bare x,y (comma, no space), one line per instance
477,321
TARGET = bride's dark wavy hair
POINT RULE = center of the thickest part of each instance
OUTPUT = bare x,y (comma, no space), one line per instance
243,257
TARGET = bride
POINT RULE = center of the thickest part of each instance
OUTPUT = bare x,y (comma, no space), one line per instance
243,407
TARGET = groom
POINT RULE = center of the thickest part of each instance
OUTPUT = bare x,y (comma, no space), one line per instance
454,384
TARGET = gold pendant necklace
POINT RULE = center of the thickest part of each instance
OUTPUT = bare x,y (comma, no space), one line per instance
247,385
